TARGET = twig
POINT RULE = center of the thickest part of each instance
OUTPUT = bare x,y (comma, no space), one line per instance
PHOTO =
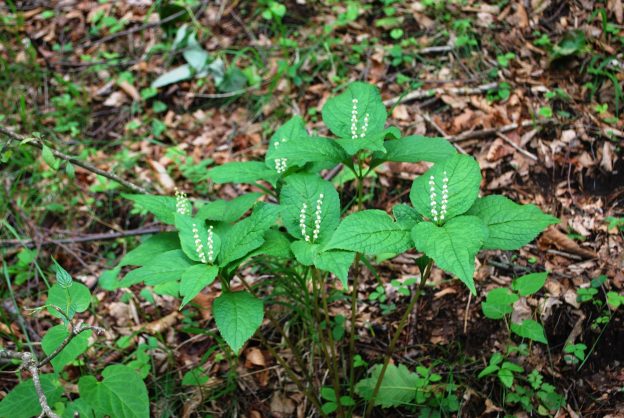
456,91
87,166
517,147
83,238
441,132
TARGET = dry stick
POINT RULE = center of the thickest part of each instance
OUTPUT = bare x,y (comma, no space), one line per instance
397,335
83,238
516,146
87,166
457,91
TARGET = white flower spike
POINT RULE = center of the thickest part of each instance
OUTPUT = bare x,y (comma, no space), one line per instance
317,217
199,248
210,244
302,222
354,113
281,164
441,214
183,206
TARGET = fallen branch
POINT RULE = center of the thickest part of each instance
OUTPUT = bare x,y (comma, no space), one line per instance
83,238
29,362
87,166
455,91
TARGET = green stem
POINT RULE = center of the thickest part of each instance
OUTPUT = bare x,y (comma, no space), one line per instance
397,334
332,345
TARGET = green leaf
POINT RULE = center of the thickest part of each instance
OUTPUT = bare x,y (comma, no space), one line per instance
23,401
53,339
238,315
511,225
338,111
498,303
464,179
336,262
163,207
293,131
530,329
194,279
307,189
398,386
406,216
248,234
248,172
416,148
227,210
190,231
150,249
506,377
70,300
49,158
195,377
371,142
453,246
164,268
304,252
63,278
370,232
307,150
492,368
529,284
120,394
276,244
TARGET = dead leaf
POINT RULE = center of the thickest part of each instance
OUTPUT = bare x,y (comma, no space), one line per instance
281,405
555,238
160,325
254,357
130,90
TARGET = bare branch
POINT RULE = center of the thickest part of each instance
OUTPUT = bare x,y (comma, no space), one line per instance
87,166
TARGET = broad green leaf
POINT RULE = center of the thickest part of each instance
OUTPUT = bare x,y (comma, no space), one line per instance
308,150
336,262
506,377
63,278
306,189
49,158
77,408
191,230
242,172
291,132
248,234
53,339
492,368
398,386
406,216
498,303
151,248
238,315
511,225
120,394
22,401
453,246
370,232
163,207
227,210
70,300
194,279
275,244
529,284
164,268
530,329
464,179
371,142
416,148
346,118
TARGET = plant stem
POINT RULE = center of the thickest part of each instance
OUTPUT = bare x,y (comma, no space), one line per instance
332,345
397,334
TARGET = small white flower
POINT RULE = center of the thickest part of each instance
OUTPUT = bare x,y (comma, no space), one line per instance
210,244
354,113
199,248
302,222
364,126
281,165
317,217
183,206
438,215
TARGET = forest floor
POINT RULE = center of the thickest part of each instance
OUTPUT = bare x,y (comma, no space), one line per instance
531,89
